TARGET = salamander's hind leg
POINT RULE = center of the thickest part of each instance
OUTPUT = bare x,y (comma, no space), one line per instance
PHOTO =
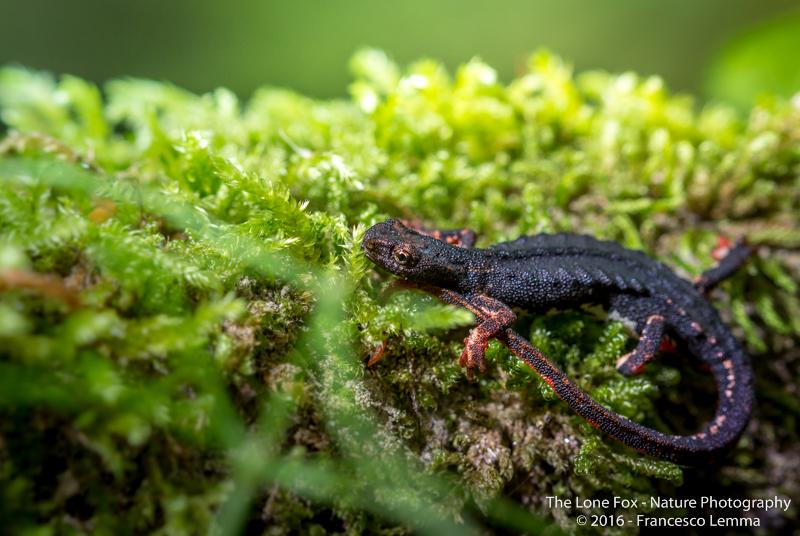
499,317
633,363
463,238
730,257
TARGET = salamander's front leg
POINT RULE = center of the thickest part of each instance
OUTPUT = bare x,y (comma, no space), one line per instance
463,238
498,317
633,363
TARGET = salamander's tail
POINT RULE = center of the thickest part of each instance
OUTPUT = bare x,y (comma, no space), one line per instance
734,382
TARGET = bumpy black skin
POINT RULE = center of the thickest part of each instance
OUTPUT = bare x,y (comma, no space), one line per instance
542,272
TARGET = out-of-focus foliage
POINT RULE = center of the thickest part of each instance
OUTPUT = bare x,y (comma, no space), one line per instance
200,44
762,61
185,313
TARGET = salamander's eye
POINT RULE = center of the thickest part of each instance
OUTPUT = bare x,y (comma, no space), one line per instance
405,256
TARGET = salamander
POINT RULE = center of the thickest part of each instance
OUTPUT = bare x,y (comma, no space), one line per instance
566,271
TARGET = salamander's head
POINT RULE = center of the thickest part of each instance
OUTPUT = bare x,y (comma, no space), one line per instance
414,256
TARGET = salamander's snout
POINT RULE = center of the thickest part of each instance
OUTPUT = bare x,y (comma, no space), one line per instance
375,244
379,234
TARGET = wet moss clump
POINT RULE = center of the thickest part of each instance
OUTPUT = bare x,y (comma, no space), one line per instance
185,314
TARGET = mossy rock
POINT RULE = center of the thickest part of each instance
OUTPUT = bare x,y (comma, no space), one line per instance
185,313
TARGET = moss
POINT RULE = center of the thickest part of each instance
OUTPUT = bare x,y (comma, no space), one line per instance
185,314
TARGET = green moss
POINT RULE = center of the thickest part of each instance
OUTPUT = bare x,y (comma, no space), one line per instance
190,352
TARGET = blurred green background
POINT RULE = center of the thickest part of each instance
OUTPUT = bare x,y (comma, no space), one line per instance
202,44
